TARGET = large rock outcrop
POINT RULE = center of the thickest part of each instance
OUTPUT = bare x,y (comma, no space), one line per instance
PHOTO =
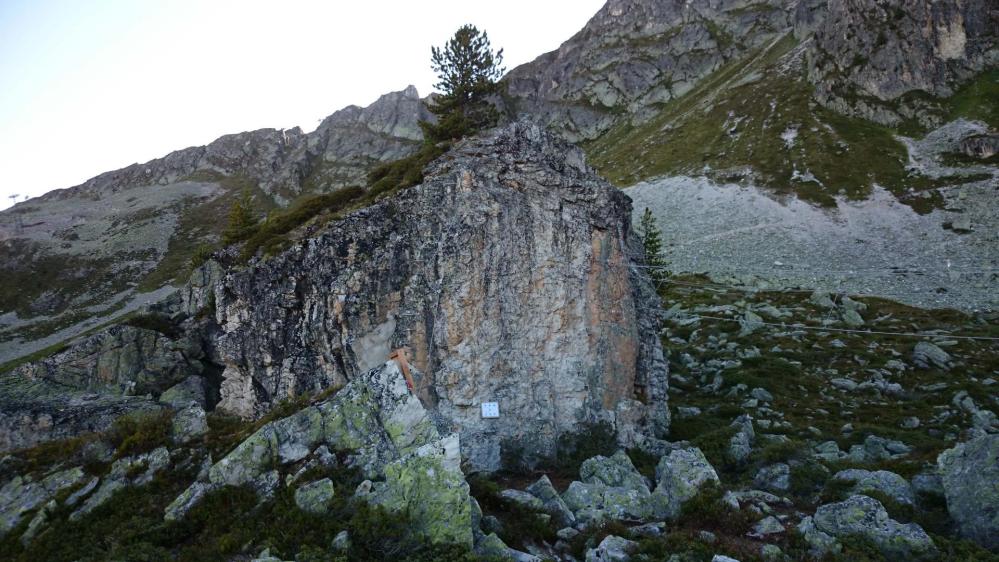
510,273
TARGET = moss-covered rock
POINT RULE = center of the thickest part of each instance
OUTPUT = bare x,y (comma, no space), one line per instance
428,485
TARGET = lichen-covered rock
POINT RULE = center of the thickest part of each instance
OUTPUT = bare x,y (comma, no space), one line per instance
129,471
21,495
820,544
189,423
614,471
875,449
612,549
186,501
376,416
594,503
510,275
928,355
183,394
861,516
551,502
774,477
970,473
429,486
522,499
740,445
315,497
680,475
888,483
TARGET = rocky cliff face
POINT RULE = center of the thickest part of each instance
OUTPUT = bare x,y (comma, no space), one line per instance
509,274
635,55
867,55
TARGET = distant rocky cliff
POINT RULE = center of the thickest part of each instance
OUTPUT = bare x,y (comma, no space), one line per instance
867,56
635,55
509,273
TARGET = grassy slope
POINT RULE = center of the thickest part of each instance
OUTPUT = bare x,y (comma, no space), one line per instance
734,120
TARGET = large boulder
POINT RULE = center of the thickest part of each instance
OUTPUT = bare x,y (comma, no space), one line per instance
866,518
509,273
970,473
680,475
429,486
881,481
611,489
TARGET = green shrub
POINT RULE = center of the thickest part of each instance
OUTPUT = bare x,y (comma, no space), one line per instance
400,174
201,254
135,434
270,235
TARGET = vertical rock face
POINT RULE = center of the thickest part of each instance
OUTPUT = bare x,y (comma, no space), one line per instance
868,53
509,274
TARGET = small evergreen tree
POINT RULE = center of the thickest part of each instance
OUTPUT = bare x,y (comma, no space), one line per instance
652,242
242,220
468,72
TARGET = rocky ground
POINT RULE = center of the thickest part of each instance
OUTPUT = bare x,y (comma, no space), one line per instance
741,235
790,440
815,442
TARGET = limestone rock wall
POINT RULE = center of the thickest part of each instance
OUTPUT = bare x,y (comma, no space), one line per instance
510,275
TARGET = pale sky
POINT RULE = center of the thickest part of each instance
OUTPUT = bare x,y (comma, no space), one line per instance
91,86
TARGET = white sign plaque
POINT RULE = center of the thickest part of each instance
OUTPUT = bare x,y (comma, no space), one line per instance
490,409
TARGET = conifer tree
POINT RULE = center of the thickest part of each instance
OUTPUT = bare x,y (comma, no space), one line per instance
652,242
468,72
242,220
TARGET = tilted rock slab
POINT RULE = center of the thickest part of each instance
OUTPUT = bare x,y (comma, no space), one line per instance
511,275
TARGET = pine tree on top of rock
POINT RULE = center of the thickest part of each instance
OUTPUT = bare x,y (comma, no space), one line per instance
468,72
